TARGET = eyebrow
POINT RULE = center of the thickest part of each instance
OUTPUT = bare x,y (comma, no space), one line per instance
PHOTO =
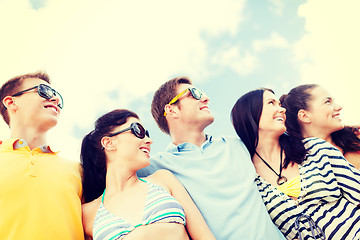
328,98
272,99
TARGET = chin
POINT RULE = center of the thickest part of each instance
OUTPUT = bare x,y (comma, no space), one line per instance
211,119
339,127
146,164
53,122
48,124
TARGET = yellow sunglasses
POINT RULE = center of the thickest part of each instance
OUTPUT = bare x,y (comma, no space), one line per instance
195,93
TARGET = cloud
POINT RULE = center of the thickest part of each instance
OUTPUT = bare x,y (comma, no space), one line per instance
275,41
277,7
241,63
93,49
244,61
328,54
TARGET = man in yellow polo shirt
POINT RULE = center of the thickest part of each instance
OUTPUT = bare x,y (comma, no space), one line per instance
40,191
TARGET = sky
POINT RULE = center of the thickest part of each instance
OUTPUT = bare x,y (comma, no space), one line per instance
108,54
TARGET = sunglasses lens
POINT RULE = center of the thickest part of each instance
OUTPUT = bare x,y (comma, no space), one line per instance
45,91
138,130
196,93
147,133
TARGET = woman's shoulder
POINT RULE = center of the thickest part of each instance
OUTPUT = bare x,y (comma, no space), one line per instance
312,140
317,143
162,178
91,207
160,174
319,150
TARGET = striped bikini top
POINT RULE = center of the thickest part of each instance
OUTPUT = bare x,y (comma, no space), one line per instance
160,207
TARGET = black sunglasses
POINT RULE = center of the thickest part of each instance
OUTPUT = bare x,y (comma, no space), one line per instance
44,91
136,128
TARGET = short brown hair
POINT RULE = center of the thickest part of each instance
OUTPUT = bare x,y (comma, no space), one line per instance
163,96
13,86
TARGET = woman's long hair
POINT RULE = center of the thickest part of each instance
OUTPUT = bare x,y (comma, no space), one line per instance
299,98
348,139
93,158
245,116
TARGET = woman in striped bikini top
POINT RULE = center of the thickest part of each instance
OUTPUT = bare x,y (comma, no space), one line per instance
118,204
160,207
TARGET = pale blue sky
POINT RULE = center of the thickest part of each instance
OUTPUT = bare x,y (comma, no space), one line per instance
37,4
111,54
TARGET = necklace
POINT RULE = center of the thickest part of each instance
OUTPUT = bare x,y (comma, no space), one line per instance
281,179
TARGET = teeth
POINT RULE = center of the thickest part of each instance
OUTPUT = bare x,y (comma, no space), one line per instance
52,108
145,150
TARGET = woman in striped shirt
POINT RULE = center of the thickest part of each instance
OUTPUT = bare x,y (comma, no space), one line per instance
309,189
312,112
118,204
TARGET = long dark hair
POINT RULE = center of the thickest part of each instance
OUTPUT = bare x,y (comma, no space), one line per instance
93,158
245,116
348,139
299,98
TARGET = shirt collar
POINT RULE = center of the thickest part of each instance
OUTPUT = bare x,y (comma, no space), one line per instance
17,143
188,146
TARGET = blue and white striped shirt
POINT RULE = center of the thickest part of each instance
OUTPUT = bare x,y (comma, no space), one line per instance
329,196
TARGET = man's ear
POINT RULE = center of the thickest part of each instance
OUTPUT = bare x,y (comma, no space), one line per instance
107,144
171,110
9,102
304,116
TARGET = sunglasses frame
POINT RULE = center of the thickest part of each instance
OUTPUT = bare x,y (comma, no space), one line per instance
132,127
193,94
43,94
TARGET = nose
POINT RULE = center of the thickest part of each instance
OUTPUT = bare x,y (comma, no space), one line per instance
282,109
338,107
204,98
148,140
57,99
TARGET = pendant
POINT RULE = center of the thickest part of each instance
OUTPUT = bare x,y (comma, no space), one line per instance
281,180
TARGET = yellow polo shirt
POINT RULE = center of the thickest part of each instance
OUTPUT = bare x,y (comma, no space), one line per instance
40,194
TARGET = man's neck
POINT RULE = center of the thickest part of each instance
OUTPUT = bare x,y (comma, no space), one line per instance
32,137
196,138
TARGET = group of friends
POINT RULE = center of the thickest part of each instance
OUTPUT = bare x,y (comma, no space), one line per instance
292,172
